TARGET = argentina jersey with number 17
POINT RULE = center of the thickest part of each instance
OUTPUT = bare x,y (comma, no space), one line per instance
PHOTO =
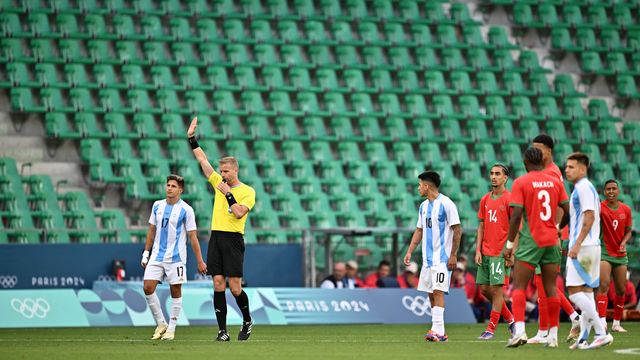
172,224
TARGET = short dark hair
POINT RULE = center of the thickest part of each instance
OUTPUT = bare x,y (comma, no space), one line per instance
533,156
581,158
179,179
611,181
384,263
430,176
504,168
544,139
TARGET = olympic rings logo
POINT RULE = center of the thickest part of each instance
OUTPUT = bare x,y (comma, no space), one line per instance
8,281
418,305
30,308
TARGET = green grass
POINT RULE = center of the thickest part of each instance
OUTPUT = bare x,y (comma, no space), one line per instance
286,342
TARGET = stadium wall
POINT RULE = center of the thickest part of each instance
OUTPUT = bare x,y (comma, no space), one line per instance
78,266
117,304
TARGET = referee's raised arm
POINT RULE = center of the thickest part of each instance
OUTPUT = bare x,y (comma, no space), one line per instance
207,169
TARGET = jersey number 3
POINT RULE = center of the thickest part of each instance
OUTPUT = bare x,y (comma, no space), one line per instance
545,214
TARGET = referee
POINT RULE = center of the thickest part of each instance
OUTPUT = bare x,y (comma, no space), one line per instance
225,254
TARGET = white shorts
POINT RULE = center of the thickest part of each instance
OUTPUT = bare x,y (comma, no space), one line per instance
585,270
436,277
175,273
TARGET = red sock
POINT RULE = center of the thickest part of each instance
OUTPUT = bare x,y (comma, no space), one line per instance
565,303
603,302
506,314
554,311
518,302
493,321
618,301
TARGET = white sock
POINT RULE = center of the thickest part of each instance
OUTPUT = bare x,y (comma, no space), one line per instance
437,320
520,327
574,315
176,307
553,332
597,325
589,315
542,333
603,321
154,306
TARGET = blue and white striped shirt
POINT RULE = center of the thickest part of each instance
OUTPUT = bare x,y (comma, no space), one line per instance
584,197
172,223
436,219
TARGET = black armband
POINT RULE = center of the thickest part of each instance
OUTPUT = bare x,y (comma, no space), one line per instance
193,142
230,199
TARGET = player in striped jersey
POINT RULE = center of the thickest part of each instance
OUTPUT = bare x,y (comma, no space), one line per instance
439,230
616,222
535,198
494,215
583,262
171,221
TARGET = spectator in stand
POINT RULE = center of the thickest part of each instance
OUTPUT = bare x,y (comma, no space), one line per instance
337,280
383,271
409,278
352,275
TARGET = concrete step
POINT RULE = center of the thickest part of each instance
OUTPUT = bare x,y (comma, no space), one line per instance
58,171
23,148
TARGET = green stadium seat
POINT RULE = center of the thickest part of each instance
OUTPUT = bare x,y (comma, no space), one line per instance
21,76
57,126
631,132
599,109
457,153
563,86
484,153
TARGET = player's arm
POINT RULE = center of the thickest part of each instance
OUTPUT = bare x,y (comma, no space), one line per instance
148,242
565,215
415,241
479,239
457,235
588,219
207,169
514,226
237,208
195,245
628,231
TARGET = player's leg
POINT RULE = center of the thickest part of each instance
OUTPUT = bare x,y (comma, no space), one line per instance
549,275
153,273
602,299
176,277
543,312
440,279
579,282
522,273
483,281
234,263
215,269
620,283
565,304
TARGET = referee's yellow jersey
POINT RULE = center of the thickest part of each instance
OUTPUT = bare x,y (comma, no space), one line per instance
222,218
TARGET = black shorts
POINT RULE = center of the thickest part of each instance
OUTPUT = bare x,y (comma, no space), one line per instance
225,254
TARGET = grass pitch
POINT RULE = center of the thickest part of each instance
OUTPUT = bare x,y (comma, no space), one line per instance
292,342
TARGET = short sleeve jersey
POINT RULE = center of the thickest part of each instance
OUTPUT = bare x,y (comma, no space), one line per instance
436,218
539,194
172,223
584,197
223,218
494,213
614,223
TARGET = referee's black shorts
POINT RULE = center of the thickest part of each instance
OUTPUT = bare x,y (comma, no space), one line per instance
225,254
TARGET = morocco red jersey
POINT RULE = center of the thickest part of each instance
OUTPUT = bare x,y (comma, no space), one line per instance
553,169
614,223
539,194
494,213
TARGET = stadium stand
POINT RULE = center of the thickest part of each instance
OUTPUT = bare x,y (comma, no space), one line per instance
309,96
